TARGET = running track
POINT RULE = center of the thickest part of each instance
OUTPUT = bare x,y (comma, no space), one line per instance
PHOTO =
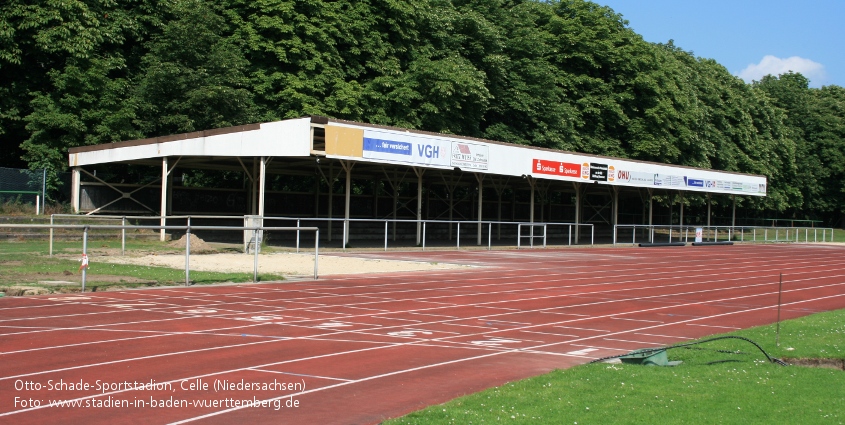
360,349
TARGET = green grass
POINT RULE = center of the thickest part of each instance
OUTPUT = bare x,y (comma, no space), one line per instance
24,264
735,387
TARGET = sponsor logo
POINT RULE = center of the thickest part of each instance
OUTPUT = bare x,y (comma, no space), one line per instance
635,177
556,168
470,156
694,182
429,151
388,146
598,172
585,171
668,180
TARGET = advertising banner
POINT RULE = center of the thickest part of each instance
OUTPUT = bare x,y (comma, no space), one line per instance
635,178
690,182
556,168
409,149
598,172
470,156
668,180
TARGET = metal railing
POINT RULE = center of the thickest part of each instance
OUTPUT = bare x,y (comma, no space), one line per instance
255,229
747,234
423,225
426,224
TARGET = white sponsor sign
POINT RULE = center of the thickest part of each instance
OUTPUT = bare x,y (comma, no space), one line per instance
406,148
469,156
635,177
668,180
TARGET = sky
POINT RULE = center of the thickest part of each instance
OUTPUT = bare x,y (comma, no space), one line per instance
751,38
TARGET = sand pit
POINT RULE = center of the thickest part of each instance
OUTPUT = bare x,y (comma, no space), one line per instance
287,264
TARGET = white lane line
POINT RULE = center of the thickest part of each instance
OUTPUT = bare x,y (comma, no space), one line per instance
714,326
421,367
196,418
582,352
633,342
300,374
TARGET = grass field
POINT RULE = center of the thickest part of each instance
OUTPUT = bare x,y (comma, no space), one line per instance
726,381
27,269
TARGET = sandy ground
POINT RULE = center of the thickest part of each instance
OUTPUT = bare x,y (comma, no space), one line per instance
287,264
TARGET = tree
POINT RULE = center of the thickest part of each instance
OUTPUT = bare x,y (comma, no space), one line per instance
193,75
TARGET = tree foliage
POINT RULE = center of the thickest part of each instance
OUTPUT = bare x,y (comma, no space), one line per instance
564,74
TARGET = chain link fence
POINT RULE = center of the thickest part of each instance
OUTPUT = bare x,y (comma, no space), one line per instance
22,186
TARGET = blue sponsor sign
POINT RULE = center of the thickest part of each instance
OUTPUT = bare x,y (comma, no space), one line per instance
388,146
694,182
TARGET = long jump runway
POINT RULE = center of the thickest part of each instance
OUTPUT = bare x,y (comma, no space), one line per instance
358,349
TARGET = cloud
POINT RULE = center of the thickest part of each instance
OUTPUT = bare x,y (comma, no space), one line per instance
777,66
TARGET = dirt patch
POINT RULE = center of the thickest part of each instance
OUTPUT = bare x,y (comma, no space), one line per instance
198,246
20,290
838,364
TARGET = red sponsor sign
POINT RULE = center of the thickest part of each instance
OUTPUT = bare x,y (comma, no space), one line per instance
556,168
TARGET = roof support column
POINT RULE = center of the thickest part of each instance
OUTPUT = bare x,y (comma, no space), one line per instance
347,166
253,188
650,214
75,189
532,183
262,185
330,182
615,209
681,222
733,213
480,178
164,180
419,172
708,210
577,187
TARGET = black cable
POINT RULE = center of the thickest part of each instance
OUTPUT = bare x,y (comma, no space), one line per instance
651,350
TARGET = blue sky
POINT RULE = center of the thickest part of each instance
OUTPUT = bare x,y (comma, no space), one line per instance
751,38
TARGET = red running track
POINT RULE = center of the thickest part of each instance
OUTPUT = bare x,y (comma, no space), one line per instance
356,349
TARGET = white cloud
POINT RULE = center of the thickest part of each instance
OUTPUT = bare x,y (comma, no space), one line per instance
777,66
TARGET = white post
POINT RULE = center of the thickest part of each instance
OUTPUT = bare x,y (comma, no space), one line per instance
262,183
347,166
163,197
75,188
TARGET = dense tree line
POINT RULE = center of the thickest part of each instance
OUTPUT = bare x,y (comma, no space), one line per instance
565,74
